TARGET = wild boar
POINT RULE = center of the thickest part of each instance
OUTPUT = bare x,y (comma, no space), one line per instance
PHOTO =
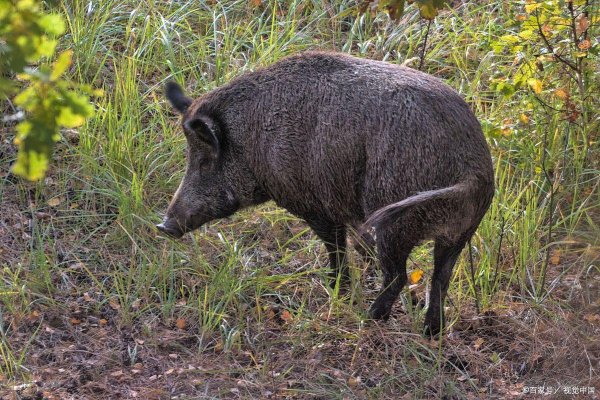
341,141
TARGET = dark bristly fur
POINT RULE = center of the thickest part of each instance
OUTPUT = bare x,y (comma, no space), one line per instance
335,139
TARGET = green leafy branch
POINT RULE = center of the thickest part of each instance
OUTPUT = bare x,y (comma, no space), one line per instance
50,100
395,8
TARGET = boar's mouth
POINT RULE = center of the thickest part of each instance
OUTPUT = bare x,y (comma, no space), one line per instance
171,228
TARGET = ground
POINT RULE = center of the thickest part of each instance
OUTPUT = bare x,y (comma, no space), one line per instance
76,343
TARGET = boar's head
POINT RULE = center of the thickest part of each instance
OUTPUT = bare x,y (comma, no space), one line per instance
211,175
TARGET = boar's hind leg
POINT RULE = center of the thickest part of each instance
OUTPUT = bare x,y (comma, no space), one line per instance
444,257
334,237
393,251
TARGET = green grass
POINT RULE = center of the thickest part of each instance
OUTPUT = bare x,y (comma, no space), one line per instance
252,284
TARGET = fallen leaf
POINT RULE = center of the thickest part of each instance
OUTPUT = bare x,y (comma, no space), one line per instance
75,321
42,215
103,322
591,318
415,276
114,304
354,381
180,323
555,257
33,316
136,304
286,316
55,201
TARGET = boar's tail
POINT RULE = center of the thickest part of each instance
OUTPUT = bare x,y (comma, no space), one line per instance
391,212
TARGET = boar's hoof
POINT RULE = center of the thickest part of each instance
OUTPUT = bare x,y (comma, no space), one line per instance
432,329
379,311
170,230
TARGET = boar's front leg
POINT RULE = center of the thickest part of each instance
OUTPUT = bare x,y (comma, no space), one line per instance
334,237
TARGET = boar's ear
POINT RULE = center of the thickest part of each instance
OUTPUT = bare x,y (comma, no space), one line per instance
207,130
176,97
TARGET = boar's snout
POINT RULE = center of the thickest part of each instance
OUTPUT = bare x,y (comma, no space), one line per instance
171,228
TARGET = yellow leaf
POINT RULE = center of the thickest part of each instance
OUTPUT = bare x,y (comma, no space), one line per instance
68,118
415,276
526,34
524,119
61,65
529,8
535,84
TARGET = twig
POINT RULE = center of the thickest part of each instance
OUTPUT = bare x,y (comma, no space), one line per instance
473,278
499,252
550,47
422,58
